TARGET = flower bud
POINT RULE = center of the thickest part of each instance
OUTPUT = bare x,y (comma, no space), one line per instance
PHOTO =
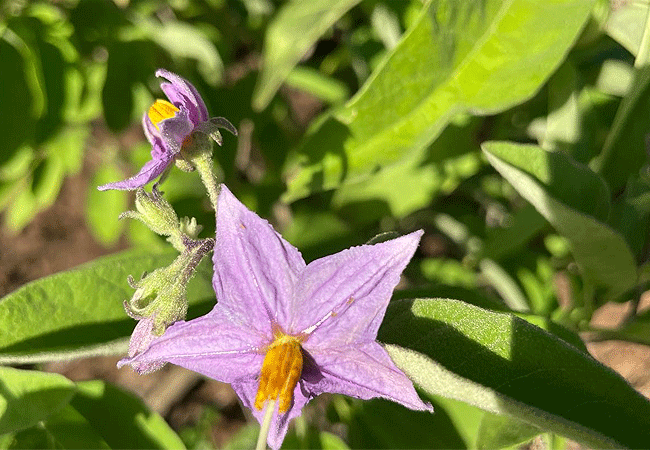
190,228
155,212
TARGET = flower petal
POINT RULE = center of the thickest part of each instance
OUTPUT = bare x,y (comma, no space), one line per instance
158,149
174,130
365,371
149,172
141,338
343,297
210,345
182,93
255,268
246,390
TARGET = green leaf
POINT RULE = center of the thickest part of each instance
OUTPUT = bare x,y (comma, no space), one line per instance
501,432
184,40
636,330
294,29
626,23
329,441
504,365
416,180
80,313
504,284
521,227
121,419
624,152
104,207
20,98
569,182
117,95
572,199
68,146
379,423
69,429
27,397
482,57
23,206
48,178
323,87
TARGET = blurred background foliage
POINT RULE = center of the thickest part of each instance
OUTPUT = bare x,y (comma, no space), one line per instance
312,87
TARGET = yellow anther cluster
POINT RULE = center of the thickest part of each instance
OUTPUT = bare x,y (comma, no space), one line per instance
160,111
280,372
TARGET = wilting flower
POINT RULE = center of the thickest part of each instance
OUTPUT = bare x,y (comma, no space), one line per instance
169,127
286,331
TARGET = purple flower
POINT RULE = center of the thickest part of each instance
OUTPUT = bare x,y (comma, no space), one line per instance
287,331
169,126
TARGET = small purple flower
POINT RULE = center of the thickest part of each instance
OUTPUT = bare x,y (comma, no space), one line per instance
169,126
286,331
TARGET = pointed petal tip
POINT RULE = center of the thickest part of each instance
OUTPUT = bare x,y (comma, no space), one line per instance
164,73
141,368
117,185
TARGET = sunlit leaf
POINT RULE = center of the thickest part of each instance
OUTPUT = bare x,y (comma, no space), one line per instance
575,201
459,56
504,365
295,28
121,419
27,397
80,313
626,23
104,207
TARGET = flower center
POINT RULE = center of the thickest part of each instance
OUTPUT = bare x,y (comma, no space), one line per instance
280,372
160,111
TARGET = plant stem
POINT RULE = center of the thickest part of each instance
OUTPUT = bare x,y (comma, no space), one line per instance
266,425
203,164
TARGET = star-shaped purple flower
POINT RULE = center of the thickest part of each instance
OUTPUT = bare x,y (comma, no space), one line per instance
287,331
169,126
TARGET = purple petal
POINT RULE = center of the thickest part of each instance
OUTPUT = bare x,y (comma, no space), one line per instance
183,94
210,345
365,371
141,338
174,130
246,390
343,297
149,172
158,149
255,268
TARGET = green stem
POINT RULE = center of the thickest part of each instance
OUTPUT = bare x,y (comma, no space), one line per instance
203,164
266,425
644,49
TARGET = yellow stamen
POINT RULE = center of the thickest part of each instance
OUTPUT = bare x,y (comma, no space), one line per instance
280,372
160,111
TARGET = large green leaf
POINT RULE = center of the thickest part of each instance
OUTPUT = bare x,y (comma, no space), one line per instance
482,57
295,28
27,397
504,365
572,199
121,419
75,313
